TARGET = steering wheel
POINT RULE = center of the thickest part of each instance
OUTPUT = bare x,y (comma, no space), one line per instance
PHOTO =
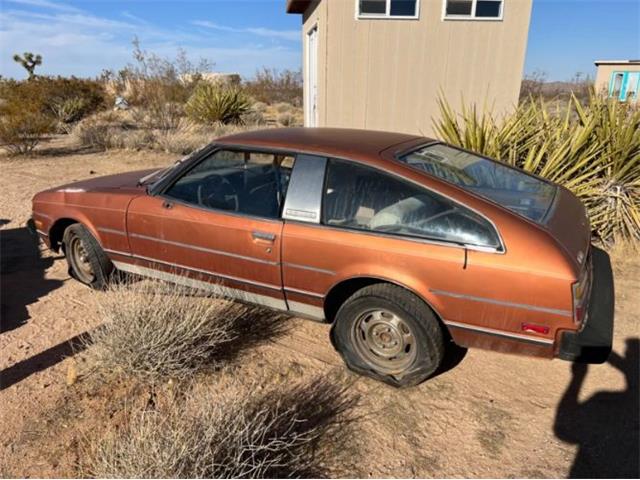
216,191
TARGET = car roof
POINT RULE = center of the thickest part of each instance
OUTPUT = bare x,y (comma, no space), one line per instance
340,142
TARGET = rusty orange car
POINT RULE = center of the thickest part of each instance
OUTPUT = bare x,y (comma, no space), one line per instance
402,243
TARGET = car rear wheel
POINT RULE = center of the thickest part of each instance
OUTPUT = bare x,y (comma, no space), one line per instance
388,333
88,263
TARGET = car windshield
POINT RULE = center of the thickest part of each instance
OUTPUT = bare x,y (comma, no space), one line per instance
521,193
158,175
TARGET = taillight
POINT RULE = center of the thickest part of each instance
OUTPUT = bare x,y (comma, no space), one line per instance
580,292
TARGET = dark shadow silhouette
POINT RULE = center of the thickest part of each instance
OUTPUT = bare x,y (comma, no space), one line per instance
605,426
453,356
22,270
43,360
252,327
4,221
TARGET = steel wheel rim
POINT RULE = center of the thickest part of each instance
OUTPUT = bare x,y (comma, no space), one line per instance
81,260
384,340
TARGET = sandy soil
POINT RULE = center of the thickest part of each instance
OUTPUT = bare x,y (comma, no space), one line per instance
491,415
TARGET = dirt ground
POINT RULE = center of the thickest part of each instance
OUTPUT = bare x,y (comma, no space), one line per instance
491,415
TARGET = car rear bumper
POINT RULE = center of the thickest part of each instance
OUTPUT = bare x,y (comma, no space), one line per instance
33,230
592,344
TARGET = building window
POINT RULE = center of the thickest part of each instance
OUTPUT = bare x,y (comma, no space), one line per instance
387,8
473,9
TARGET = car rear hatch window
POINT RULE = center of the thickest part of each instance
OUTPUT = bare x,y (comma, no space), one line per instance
511,188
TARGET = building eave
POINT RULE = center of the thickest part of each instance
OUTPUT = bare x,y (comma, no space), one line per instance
297,6
617,62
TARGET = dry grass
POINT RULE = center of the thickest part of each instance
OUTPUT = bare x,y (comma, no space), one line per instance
153,330
241,432
133,130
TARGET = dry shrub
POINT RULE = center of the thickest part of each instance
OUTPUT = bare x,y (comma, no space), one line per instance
24,116
259,107
287,119
239,432
187,137
96,133
111,130
153,329
273,86
254,117
22,130
283,107
134,139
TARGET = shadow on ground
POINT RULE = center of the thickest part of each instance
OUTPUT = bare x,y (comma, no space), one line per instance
43,360
22,271
605,426
61,151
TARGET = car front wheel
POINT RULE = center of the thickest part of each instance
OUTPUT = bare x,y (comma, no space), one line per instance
387,333
88,263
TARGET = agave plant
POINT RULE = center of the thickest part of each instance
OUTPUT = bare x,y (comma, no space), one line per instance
592,149
211,104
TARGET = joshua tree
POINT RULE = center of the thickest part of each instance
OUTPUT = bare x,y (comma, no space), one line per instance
29,61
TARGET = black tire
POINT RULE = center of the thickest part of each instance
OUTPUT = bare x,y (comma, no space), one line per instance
358,326
95,269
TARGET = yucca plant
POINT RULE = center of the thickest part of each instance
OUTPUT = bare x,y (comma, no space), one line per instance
211,104
592,149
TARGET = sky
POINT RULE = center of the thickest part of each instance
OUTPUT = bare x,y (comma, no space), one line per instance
83,37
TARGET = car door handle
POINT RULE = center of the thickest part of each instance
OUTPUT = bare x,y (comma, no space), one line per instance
266,236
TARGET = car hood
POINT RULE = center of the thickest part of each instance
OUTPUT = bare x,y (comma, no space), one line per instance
120,181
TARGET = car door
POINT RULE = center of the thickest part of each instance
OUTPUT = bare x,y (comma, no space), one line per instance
217,226
373,225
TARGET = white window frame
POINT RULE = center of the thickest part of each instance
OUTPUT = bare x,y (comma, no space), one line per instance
387,13
472,16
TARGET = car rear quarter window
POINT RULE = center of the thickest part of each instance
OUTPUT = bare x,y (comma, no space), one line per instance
509,187
362,198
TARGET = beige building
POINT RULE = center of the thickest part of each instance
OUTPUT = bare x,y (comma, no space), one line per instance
381,64
618,79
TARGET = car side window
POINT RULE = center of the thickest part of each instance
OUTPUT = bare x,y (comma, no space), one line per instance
251,183
363,198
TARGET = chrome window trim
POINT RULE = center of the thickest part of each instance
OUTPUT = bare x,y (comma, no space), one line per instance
501,250
198,270
524,306
204,249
